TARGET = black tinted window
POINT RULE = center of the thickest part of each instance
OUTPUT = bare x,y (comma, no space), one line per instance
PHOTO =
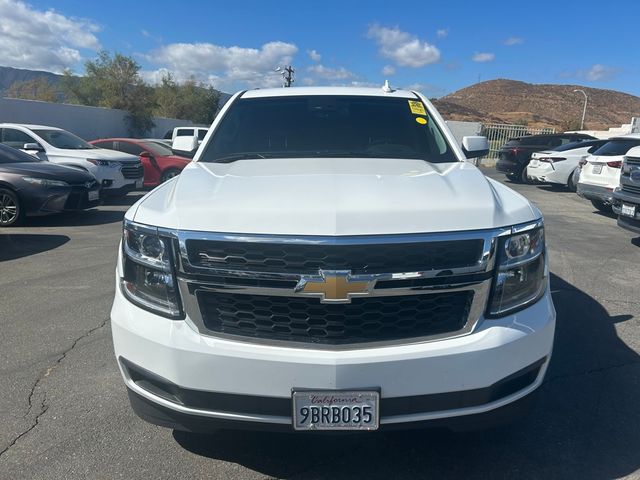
201,134
185,132
106,144
617,147
131,148
327,126
15,138
11,155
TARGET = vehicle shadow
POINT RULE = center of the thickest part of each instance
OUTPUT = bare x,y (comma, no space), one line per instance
95,216
124,200
13,246
585,424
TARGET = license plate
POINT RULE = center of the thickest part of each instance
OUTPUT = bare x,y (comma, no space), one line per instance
94,195
597,169
336,410
628,210
139,183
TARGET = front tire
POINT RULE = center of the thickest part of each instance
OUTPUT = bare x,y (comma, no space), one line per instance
601,206
571,185
11,213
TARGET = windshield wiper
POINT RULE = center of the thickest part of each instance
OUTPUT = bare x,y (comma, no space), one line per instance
238,156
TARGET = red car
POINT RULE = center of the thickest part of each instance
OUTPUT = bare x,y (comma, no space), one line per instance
158,161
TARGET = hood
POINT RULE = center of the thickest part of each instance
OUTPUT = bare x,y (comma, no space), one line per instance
97,153
47,170
332,196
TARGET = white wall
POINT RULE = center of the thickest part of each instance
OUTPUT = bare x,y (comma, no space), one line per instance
86,122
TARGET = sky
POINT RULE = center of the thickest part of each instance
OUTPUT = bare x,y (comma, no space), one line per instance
435,47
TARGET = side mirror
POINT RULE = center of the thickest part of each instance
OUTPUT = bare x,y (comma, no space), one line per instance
475,146
145,154
33,147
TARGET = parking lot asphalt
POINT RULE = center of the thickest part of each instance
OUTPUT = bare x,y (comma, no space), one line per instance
64,411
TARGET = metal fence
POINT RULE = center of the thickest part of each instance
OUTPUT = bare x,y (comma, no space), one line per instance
498,134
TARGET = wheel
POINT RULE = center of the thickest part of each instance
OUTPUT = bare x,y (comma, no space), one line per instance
571,185
601,206
10,210
170,173
524,178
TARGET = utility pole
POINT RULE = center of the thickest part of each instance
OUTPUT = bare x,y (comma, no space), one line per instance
287,74
584,109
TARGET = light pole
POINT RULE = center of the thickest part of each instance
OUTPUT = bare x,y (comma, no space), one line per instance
287,75
584,109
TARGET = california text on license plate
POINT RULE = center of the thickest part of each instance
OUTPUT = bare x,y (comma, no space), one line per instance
336,410
597,169
628,210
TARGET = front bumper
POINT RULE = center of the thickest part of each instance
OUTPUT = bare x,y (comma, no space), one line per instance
628,223
222,381
595,192
60,199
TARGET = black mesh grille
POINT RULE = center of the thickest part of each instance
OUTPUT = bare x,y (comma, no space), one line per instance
307,320
295,258
631,189
133,170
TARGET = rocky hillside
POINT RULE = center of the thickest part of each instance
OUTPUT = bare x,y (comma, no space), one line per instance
538,105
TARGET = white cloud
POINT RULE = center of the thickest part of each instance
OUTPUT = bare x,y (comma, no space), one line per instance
388,70
483,57
427,89
225,67
327,73
442,33
403,48
513,41
47,40
599,72
314,55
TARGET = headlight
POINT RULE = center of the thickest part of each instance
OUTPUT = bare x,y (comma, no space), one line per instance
103,163
45,182
149,280
521,271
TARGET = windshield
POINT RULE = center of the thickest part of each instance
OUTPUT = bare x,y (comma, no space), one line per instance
62,139
617,147
327,126
157,148
11,155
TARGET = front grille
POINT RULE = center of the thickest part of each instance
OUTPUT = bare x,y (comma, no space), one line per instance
632,161
299,319
359,259
133,170
631,189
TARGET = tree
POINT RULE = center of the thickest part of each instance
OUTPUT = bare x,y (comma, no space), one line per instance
35,89
193,101
114,82
570,125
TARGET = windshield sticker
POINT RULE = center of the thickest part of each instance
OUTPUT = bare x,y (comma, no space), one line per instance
417,108
421,120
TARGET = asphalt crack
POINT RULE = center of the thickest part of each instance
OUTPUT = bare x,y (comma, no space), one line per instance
43,407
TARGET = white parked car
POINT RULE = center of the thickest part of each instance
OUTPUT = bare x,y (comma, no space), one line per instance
556,166
117,172
600,174
330,261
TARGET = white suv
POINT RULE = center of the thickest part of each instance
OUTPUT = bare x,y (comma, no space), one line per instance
117,172
600,174
330,261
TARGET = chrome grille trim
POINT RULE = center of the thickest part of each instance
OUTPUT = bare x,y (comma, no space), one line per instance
191,278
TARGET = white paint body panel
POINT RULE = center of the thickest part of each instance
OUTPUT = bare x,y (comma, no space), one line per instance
333,197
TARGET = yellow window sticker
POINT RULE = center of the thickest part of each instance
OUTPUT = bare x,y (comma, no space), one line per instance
421,120
417,108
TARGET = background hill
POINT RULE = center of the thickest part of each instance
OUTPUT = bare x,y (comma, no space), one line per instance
10,75
538,105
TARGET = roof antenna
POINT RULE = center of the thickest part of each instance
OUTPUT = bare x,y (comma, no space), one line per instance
386,88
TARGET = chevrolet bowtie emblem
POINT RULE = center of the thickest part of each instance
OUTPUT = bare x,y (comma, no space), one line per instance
334,286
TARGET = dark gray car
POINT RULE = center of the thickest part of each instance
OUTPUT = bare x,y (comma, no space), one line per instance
29,186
